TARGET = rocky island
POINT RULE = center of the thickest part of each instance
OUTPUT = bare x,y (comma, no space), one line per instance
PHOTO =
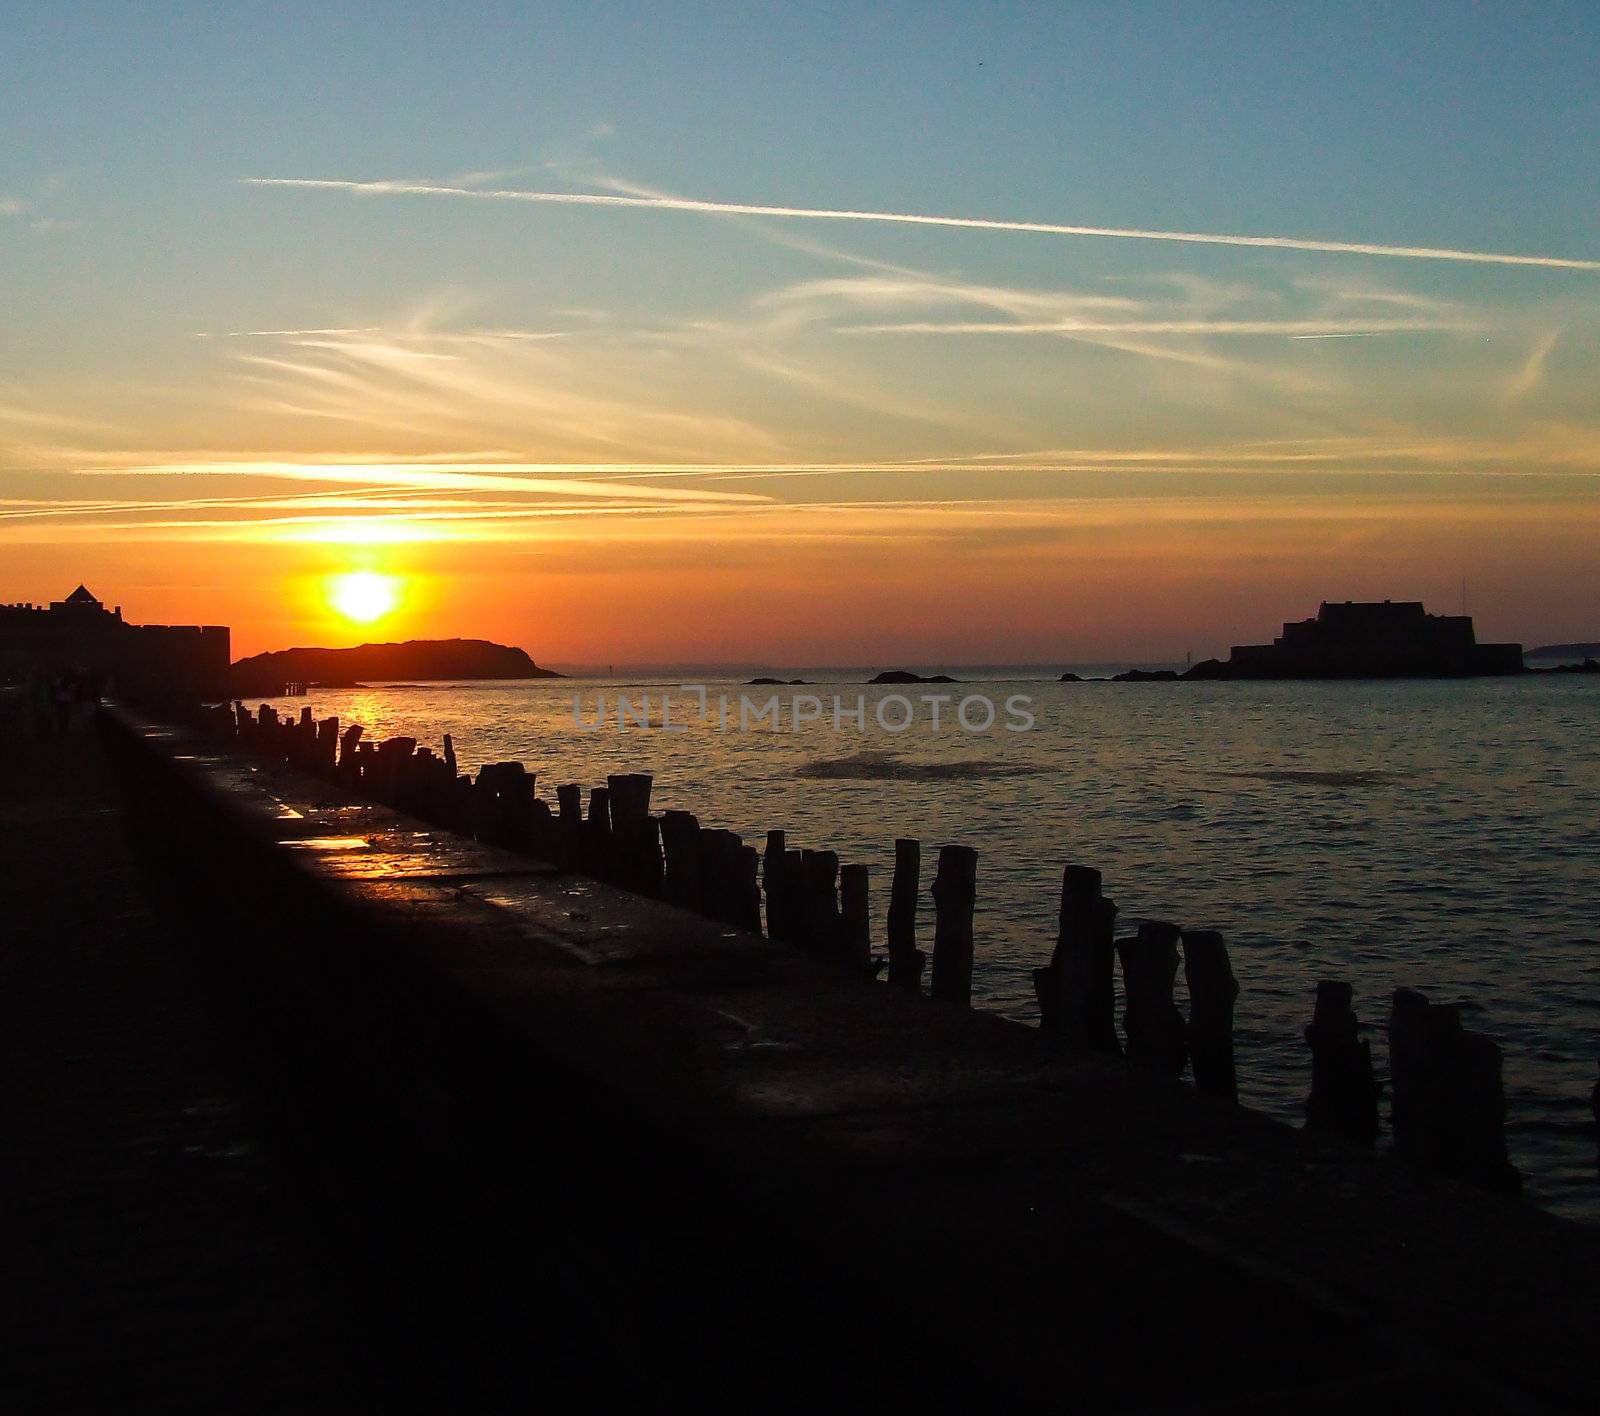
267,674
906,676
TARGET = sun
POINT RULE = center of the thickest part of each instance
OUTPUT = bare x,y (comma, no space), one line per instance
364,595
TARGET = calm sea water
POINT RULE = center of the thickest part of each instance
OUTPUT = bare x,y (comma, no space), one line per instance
1441,835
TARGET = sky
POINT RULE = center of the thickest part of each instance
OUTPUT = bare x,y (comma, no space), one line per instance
802,334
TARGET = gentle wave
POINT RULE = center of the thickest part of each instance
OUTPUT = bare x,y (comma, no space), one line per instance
885,767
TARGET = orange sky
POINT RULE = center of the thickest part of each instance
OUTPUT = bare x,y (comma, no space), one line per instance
1015,584
743,439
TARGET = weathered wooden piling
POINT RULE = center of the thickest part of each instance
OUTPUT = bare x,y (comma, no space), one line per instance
1212,993
747,889
327,747
505,804
1076,990
1477,1129
392,753
683,881
955,894
1157,1035
820,927
731,893
906,961
1406,1008
636,838
347,748
1449,1107
855,920
722,867
793,893
598,847
772,885
569,825
1344,1094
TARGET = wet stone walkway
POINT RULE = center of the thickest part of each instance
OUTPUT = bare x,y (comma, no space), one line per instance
153,1259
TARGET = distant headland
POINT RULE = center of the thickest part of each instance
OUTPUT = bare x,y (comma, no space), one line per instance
1590,650
266,674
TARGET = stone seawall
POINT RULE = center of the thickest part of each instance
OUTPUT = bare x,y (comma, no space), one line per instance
628,1147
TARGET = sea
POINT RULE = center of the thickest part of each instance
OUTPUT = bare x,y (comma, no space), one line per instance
1442,835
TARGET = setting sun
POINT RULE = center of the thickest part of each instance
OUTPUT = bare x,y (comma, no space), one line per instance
364,595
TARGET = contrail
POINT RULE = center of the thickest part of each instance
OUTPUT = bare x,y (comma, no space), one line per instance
970,223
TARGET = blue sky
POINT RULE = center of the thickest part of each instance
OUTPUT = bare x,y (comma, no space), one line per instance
163,312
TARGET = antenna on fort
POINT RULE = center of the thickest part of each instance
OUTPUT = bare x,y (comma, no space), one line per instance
1463,594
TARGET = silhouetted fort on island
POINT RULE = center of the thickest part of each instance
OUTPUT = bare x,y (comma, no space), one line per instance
79,634
1368,639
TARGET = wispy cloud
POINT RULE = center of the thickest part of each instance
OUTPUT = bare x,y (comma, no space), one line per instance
1293,329
1530,374
971,223
507,383
500,477
467,336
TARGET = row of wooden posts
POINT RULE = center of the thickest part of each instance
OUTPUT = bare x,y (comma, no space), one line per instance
1447,1103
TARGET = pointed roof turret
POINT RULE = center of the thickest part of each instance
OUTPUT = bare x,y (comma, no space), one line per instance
80,596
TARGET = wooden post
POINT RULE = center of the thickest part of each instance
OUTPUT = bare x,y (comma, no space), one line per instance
1455,1105
544,839
1100,1024
1065,985
793,895
730,890
347,750
905,959
503,802
855,923
747,890
1157,1035
772,886
1406,1065
637,846
327,747
1212,992
720,865
683,883
1344,1095
569,826
599,857
955,893
1479,1116
392,754
820,901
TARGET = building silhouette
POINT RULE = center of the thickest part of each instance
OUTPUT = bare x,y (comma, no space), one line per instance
80,635
1370,639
